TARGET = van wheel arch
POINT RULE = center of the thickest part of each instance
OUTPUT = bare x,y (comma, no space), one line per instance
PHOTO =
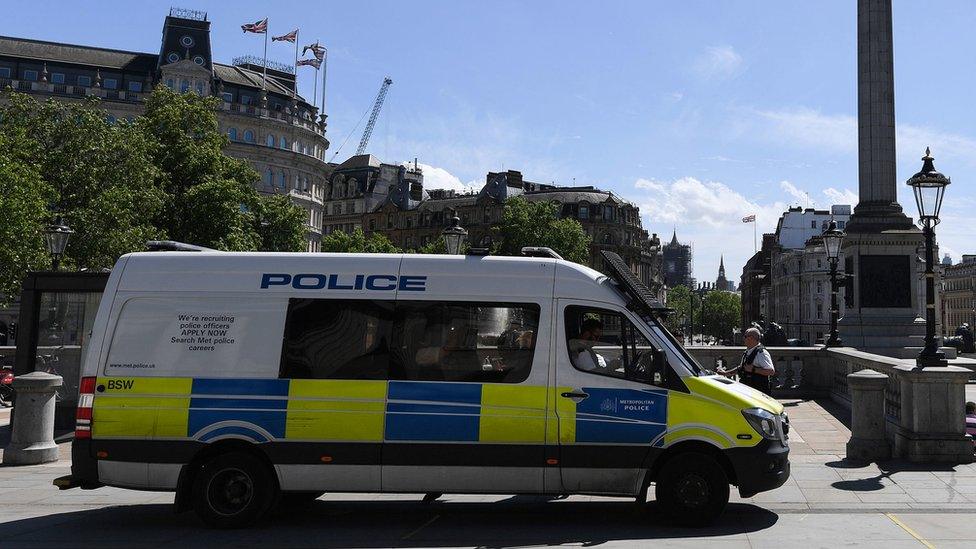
697,446
188,473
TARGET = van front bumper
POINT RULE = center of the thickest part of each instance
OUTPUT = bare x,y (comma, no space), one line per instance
763,467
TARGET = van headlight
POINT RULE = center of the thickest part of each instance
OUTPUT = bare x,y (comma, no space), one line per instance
762,421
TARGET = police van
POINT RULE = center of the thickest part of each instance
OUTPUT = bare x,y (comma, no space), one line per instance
239,380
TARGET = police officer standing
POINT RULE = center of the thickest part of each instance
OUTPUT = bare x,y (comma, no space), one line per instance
756,367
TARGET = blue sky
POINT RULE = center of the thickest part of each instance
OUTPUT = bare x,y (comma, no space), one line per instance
698,111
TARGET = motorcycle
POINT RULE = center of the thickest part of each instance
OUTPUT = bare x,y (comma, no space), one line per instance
6,386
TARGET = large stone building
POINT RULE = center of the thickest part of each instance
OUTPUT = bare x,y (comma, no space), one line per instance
959,294
412,217
678,263
281,134
362,184
788,282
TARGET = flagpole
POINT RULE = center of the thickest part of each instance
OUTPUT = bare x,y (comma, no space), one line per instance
325,69
295,92
315,85
267,31
754,245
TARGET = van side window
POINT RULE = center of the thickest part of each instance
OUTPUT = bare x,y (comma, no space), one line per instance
604,342
336,339
470,342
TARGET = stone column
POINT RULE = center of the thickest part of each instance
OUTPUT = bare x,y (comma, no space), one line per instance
32,437
933,416
868,441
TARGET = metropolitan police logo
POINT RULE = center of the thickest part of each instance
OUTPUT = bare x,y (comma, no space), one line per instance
608,405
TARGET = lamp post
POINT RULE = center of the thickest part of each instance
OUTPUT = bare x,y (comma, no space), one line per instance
454,236
57,236
929,188
703,289
832,238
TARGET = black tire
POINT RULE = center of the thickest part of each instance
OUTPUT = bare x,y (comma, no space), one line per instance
233,490
692,489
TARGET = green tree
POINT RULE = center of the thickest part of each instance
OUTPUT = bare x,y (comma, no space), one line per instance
24,197
434,247
209,199
527,223
358,242
722,312
104,182
280,224
682,300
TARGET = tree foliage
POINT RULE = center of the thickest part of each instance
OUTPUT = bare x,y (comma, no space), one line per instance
120,184
358,242
722,311
527,223
682,300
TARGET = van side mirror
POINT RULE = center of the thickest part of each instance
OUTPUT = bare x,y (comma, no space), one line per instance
659,369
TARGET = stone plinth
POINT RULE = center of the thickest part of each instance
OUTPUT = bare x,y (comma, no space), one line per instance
32,435
933,421
868,442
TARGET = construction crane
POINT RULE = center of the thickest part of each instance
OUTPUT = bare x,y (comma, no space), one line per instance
380,97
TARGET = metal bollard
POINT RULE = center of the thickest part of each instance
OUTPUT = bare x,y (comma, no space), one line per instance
32,437
868,441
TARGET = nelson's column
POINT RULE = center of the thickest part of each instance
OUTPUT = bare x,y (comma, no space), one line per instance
882,243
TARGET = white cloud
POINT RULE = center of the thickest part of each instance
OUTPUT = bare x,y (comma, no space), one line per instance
439,178
841,196
800,195
718,62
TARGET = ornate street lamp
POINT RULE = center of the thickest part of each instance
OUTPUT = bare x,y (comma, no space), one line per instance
57,236
832,238
929,188
454,236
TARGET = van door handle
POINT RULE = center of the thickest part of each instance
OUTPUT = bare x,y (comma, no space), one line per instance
575,395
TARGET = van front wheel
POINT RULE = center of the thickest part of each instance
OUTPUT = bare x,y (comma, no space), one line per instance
692,489
232,490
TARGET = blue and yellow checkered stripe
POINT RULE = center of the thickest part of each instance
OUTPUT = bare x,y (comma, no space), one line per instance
372,411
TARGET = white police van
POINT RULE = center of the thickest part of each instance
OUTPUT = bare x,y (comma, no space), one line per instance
239,379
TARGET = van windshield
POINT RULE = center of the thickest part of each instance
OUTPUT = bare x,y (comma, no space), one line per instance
656,327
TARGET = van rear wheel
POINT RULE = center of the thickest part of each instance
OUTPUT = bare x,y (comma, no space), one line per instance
692,489
233,490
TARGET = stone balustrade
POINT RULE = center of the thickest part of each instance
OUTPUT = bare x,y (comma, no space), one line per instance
923,409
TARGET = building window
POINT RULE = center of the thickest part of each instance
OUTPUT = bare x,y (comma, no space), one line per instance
270,140
184,85
245,100
135,86
372,224
232,134
269,177
283,143
110,119
249,136
819,311
819,287
408,242
584,211
84,81
30,75
172,57
4,72
187,41
227,97
110,84
389,221
199,60
283,181
199,87
841,225
170,83
336,209
57,78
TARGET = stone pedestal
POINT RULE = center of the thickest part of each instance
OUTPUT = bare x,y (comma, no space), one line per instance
32,435
933,418
868,442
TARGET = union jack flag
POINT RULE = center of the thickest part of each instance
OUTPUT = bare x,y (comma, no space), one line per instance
259,27
317,50
313,62
290,37
749,218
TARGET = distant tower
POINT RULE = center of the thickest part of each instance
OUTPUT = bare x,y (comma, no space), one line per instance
722,283
677,263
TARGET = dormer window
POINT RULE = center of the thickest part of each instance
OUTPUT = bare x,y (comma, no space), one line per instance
584,210
172,57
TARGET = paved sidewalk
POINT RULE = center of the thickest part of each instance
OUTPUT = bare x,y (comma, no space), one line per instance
827,502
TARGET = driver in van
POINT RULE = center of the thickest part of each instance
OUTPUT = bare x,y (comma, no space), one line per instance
586,358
